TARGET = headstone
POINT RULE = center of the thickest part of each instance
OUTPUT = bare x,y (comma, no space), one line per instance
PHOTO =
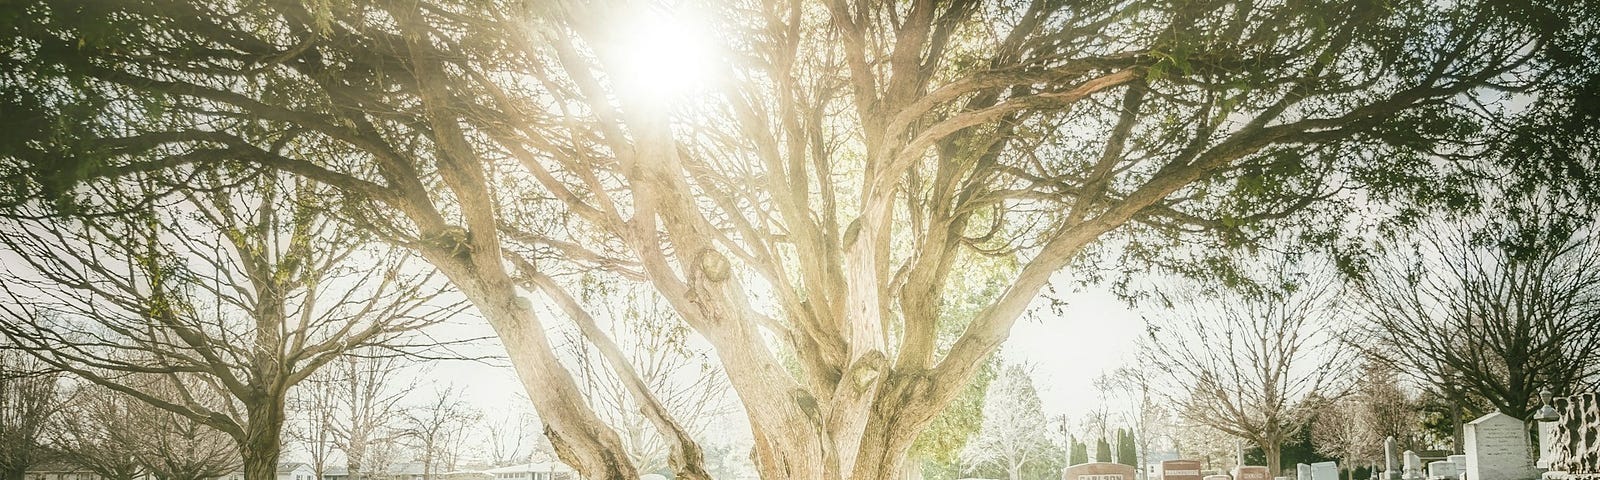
1302,471
1391,460
1324,471
1547,444
1460,461
1181,470
1413,468
1443,470
1100,471
1497,448
1251,473
1217,477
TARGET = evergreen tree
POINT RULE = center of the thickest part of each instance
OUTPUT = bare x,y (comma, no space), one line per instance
1127,451
1102,450
1080,452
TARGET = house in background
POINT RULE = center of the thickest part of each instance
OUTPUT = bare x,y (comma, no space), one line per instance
59,471
402,471
295,471
535,471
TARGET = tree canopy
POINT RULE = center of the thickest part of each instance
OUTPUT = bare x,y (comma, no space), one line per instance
811,206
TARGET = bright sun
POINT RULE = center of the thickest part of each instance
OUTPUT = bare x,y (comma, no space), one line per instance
662,57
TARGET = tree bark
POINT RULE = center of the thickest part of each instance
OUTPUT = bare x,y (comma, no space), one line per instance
1273,449
579,437
262,439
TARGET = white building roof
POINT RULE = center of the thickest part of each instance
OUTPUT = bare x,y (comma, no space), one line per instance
546,467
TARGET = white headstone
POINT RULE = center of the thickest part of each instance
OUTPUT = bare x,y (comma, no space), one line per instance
1460,461
1391,460
1217,477
1443,470
1547,444
1497,448
1413,466
1302,471
1324,471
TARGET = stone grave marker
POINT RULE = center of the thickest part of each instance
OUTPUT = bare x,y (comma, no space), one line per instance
1217,477
1099,471
1181,470
1443,470
1547,444
1302,471
1460,461
1391,460
1413,466
1325,471
1497,449
1251,473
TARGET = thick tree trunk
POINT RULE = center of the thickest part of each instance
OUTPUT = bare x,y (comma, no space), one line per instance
1273,449
13,472
576,433
262,439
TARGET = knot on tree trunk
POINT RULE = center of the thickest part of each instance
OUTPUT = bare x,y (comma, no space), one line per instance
453,240
713,265
867,369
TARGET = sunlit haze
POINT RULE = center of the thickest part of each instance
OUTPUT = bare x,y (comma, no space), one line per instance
662,55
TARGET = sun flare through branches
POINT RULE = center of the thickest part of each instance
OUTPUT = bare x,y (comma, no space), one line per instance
660,57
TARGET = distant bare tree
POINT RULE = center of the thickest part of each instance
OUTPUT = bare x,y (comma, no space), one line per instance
96,428
366,391
1340,431
1014,432
1490,314
643,351
243,292
312,411
438,430
1149,421
511,436
1245,361
174,446
122,438
29,397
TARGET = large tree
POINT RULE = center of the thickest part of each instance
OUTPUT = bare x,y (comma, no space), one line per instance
222,298
806,209
1255,363
1489,309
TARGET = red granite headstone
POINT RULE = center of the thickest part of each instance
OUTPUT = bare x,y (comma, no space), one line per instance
1181,470
1252,473
1099,471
